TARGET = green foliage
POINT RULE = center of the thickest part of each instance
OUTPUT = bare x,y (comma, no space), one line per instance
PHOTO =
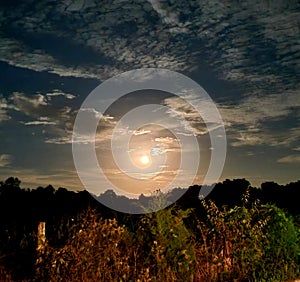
172,254
259,243
281,251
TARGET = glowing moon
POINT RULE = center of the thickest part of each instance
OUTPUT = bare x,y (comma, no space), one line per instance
145,160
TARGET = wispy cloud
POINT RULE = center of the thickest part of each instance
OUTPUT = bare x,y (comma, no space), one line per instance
39,110
191,121
290,159
165,140
26,103
39,122
4,116
5,160
141,132
169,16
14,53
57,92
255,110
87,134
248,121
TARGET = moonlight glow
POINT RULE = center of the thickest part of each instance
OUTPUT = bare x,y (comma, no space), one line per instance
145,160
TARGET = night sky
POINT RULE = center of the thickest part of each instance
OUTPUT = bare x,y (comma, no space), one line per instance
245,54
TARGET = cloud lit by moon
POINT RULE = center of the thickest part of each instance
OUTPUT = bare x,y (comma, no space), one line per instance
130,129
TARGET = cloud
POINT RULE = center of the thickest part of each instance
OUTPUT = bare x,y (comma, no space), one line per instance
273,138
191,122
29,105
92,113
16,54
290,159
169,16
253,44
59,116
168,145
156,151
5,160
166,140
88,115
254,110
57,92
59,140
141,132
247,122
154,27
86,138
244,138
4,116
39,122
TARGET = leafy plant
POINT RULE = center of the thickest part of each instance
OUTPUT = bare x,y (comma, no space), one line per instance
259,243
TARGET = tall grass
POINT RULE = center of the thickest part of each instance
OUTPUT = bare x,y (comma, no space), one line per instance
253,243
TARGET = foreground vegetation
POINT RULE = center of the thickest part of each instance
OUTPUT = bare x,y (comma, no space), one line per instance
257,243
239,234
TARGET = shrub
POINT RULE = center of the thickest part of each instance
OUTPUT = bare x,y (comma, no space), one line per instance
260,243
172,251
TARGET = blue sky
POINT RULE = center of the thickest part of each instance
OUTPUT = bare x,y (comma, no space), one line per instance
245,54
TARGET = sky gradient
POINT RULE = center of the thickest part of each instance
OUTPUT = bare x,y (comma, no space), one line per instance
245,54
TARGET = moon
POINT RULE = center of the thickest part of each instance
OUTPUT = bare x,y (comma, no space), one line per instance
145,160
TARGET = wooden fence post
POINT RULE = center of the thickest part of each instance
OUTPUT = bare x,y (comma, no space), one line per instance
40,249
41,237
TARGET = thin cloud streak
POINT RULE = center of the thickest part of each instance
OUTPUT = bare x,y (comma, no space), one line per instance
290,159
